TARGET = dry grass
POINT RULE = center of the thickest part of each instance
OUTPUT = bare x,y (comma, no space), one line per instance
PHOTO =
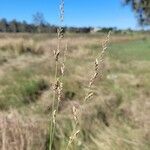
20,46
18,133
117,116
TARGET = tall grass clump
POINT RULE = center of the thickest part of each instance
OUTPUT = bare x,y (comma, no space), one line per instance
58,85
21,46
59,55
20,133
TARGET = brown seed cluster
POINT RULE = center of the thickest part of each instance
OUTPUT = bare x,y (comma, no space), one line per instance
99,67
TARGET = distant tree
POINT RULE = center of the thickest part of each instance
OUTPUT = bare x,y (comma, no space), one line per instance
79,29
85,30
52,29
107,29
13,26
142,9
21,26
39,21
38,18
3,25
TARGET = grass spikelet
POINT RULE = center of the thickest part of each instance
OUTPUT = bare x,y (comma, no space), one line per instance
54,117
72,138
98,69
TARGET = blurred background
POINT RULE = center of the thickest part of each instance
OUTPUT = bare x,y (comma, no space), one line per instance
116,117
117,15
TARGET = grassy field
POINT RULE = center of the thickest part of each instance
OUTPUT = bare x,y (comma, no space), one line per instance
116,118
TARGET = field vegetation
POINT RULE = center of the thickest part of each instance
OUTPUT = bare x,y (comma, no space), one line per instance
116,118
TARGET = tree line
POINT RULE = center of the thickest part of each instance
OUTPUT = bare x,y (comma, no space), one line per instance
39,25
15,26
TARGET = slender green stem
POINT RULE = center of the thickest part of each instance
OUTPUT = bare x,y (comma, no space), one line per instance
53,124
53,107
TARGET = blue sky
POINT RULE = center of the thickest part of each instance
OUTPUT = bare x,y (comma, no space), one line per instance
77,12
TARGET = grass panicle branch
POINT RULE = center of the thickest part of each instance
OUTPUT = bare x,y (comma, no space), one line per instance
72,138
98,70
58,85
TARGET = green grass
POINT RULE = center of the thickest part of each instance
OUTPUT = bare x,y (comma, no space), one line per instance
133,50
19,89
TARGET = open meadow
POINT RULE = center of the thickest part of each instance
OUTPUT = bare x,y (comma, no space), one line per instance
116,118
